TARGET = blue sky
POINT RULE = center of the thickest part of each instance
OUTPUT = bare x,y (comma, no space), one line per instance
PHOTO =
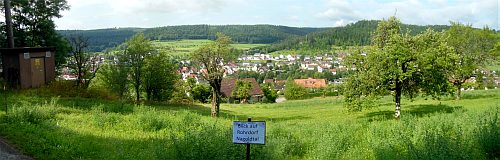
93,14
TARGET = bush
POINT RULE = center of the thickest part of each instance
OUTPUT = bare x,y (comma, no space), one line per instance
113,77
179,95
159,77
201,93
270,94
294,91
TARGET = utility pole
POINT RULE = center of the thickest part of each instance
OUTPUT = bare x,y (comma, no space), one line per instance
8,22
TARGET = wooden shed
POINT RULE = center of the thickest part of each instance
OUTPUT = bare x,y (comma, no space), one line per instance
28,67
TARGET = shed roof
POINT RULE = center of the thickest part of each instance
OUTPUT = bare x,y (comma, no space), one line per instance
26,49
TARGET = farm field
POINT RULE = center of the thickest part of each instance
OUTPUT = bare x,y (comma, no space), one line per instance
184,47
84,128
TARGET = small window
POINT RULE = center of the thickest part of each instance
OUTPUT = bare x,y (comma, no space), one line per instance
27,55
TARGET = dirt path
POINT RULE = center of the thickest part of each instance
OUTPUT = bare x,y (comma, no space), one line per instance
7,152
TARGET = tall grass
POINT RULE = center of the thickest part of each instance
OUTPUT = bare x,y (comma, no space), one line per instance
58,130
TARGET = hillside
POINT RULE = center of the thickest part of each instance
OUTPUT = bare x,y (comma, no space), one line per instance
48,127
358,33
101,39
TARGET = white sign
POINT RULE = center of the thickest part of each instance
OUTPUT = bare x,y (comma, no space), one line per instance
249,132
26,55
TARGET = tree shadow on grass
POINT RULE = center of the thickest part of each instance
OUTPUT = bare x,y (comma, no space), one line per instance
414,110
243,117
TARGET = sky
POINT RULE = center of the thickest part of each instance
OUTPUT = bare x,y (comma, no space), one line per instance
95,14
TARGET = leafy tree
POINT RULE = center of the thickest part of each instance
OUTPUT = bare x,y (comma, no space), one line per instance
179,94
138,48
33,25
85,65
398,64
159,77
115,77
473,48
270,93
201,92
242,90
212,58
294,91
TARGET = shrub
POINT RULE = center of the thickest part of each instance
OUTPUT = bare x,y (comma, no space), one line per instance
114,77
294,91
270,94
201,93
159,77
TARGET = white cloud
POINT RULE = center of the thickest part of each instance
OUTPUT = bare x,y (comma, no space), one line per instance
477,13
89,14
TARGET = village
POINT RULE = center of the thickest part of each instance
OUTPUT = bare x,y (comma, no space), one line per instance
262,63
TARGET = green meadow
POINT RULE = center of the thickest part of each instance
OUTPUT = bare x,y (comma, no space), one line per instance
59,127
184,47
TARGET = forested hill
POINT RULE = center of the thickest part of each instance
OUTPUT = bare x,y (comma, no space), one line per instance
100,39
106,38
358,33
239,33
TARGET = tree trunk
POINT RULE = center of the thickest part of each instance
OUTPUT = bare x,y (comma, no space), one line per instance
397,112
216,86
459,91
137,93
137,83
215,102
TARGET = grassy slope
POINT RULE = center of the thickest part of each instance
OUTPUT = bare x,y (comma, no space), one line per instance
184,47
319,128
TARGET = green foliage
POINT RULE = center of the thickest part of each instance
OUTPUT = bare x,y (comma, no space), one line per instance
474,50
115,78
159,77
137,49
33,26
201,93
102,39
270,94
180,93
240,33
211,57
355,34
398,63
242,90
319,128
294,91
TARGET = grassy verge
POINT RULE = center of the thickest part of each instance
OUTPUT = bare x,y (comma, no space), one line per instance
319,128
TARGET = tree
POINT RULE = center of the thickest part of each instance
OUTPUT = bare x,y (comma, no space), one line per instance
294,91
159,77
473,48
201,92
115,77
85,65
242,90
212,58
270,93
398,64
34,26
138,48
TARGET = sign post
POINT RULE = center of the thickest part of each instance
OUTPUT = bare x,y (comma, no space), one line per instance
249,133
